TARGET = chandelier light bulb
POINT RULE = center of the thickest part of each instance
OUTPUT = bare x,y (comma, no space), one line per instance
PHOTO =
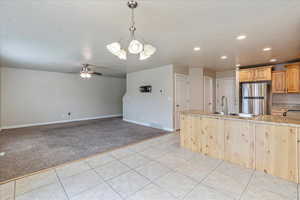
143,55
135,47
149,49
114,48
122,54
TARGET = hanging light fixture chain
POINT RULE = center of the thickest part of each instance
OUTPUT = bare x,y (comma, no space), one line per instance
132,17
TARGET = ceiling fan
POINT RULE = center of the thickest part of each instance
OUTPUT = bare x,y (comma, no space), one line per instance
87,71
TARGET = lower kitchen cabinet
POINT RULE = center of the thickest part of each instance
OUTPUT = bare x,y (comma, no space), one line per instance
239,143
203,135
211,140
268,147
276,151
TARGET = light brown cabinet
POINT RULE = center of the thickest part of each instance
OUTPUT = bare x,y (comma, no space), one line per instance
212,137
256,74
239,143
276,151
204,135
293,78
246,75
279,82
263,74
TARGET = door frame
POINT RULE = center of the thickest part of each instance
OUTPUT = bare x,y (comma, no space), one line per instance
211,94
176,76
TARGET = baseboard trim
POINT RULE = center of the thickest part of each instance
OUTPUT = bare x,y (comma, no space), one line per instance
60,122
148,125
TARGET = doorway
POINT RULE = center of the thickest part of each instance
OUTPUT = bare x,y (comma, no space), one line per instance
208,94
181,97
225,87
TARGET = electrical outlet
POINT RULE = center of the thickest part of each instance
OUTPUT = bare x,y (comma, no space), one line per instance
69,115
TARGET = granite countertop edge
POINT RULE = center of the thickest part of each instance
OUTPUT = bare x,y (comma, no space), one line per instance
262,119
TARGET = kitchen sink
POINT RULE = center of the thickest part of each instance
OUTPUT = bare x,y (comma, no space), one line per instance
243,115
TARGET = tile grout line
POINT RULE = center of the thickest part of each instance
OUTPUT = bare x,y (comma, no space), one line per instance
15,188
150,181
61,185
35,189
212,171
107,183
130,169
241,195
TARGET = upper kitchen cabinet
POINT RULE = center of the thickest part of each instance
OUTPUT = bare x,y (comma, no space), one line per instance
263,73
293,78
256,74
246,75
279,82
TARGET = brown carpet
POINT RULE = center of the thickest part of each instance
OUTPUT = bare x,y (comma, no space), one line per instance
32,149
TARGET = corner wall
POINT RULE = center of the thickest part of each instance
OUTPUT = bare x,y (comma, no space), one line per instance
196,79
0,97
30,97
153,109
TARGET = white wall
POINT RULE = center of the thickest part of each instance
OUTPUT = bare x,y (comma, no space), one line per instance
226,74
152,109
30,97
0,98
196,88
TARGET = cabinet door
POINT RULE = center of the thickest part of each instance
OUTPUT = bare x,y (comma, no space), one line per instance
279,82
246,75
263,74
276,151
190,132
293,79
212,137
239,143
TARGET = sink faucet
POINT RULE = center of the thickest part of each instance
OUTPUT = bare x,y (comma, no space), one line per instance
224,105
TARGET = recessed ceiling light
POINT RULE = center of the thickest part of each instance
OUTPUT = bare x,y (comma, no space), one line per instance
223,57
267,49
196,48
241,37
237,65
273,60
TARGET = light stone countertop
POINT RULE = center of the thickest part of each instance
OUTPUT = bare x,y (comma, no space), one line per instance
264,119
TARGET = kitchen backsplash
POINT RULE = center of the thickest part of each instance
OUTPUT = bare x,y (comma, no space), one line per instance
286,99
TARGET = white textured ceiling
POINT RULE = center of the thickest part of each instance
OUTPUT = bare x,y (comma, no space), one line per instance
58,35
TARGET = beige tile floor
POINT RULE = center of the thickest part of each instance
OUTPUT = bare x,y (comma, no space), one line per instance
156,169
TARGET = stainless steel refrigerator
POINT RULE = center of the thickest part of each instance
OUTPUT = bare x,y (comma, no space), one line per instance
255,98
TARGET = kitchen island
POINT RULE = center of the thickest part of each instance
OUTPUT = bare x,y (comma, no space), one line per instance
266,143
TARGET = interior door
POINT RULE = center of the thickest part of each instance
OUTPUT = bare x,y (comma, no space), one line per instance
208,94
225,87
181,97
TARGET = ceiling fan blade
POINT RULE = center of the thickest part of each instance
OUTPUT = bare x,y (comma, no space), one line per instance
97,73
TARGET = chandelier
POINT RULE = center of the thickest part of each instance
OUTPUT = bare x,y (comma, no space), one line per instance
135,47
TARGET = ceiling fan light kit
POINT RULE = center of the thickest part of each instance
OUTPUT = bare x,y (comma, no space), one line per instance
135,47
85,72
